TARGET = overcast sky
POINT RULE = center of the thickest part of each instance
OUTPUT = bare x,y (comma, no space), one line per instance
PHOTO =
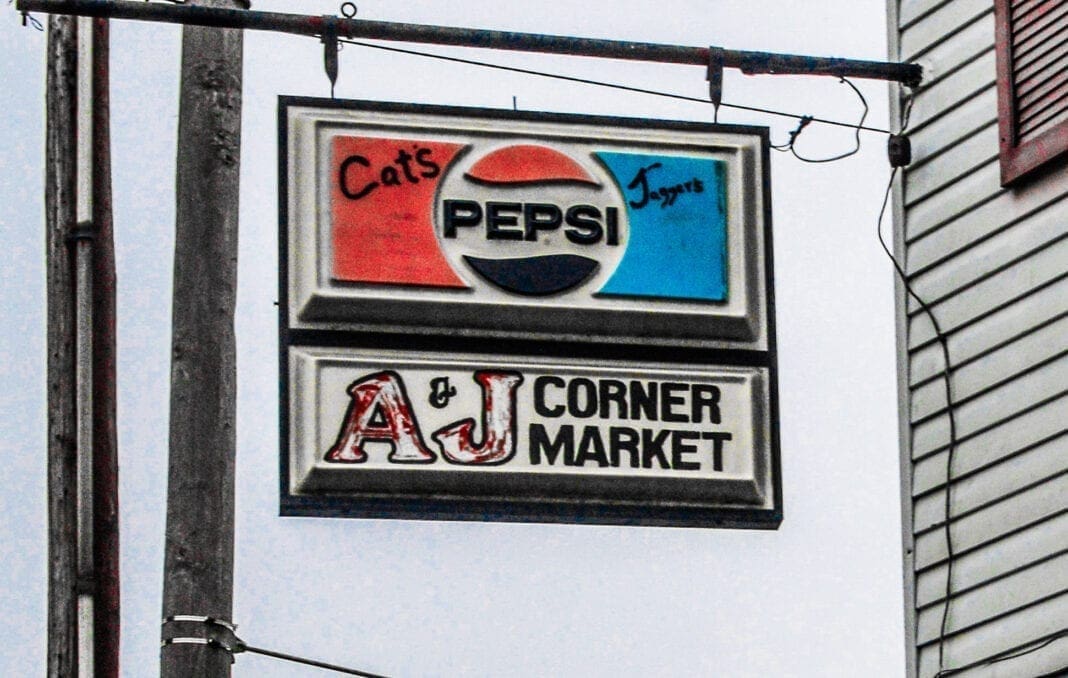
819,597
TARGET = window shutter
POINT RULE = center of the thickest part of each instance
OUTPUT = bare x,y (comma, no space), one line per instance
1032,62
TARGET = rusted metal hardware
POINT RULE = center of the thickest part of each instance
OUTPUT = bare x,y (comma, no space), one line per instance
330,46
351,28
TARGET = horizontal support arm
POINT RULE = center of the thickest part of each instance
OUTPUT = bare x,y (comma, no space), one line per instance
747,62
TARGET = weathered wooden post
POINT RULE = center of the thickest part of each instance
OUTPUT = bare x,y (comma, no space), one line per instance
60,209
198,568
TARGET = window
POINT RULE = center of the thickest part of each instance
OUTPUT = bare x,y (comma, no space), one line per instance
1032,63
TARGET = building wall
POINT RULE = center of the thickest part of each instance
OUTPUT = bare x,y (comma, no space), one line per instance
992,263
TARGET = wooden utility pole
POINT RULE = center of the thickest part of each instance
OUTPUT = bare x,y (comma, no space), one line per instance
198,567
83,594
60,206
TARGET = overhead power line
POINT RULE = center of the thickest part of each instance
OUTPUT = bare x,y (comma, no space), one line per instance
616,86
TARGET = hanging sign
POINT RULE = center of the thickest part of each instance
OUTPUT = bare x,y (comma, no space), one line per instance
435,260
535,226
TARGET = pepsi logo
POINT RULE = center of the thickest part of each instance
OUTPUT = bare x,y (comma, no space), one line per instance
530,219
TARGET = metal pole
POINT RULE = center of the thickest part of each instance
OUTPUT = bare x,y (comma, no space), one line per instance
746,61
199,551
105,437
82,243
60,211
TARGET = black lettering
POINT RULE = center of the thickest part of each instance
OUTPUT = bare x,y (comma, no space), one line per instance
459,214
612,391
642,402
343,180
640,180
539,216
591,447
585,224
675,191
698,187
705,397
653,447
404,159
540,384
390,177
611,222
581,398
499,215
679,447
670,396
422,156
539,442
717,438
623,439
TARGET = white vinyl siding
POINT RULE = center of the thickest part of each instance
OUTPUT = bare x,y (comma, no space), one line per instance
992,263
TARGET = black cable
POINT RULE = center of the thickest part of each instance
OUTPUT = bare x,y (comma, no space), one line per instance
611,85
28,19
307,662
947,373
233,645
801,125
793,136
947,380
1049,640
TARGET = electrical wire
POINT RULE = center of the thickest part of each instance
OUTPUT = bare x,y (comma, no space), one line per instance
790,146
29,19
947,379
947,374
308,662
617,86
233,645
1041,643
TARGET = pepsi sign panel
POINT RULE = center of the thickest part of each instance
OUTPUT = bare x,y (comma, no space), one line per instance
499,315
414,219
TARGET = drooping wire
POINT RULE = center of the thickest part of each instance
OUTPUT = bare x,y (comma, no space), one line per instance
231,644
1040,644
29,19
611,85
803,122
947,374
308,662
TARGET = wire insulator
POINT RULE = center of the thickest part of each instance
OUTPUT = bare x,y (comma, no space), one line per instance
899,150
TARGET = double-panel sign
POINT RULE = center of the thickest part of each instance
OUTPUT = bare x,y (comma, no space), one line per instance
473,250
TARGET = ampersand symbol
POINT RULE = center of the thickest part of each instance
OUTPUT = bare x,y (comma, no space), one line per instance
441,392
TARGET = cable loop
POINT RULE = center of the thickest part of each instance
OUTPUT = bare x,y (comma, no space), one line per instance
32,21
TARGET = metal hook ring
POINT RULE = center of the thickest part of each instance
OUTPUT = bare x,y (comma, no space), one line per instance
348,9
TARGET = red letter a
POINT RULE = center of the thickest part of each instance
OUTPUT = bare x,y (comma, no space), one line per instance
381,412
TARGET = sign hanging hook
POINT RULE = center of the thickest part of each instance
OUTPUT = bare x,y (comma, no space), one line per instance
715,79
330,49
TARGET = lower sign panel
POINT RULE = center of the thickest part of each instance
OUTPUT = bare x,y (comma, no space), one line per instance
469,437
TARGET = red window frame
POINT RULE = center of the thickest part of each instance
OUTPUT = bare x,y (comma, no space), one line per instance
1019,159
